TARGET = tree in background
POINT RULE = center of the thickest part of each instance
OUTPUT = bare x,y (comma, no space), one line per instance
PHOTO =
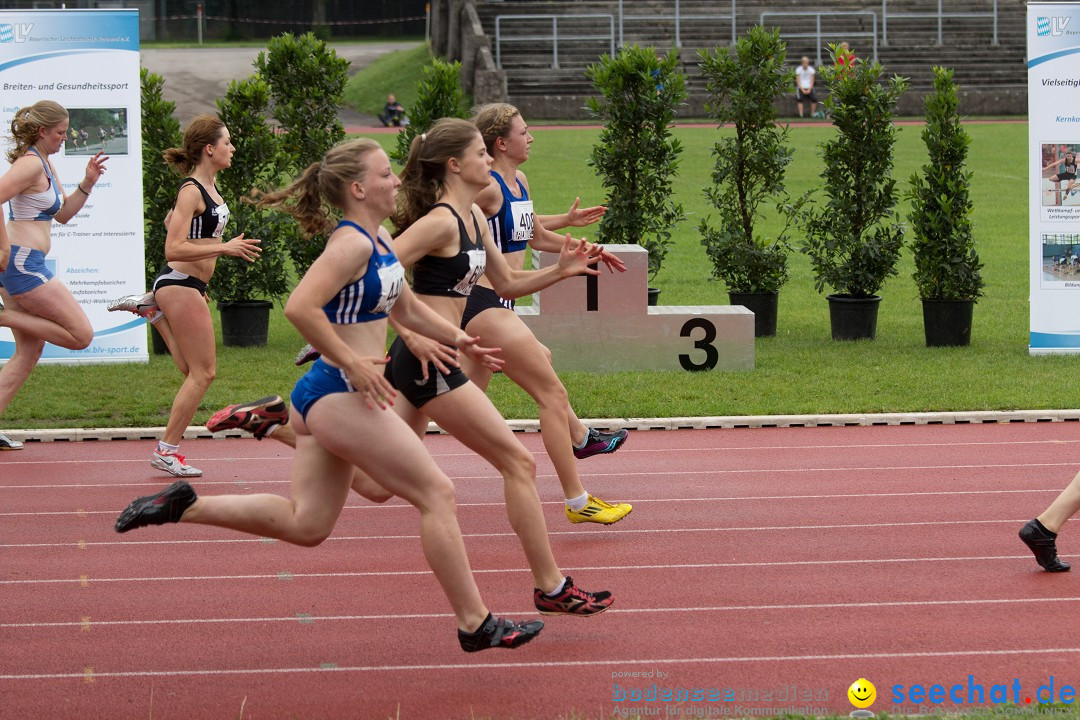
439,95
636,154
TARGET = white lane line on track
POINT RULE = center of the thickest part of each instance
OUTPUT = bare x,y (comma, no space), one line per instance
591,475
593,663
627,450
406,506
613,611
622,531
85,580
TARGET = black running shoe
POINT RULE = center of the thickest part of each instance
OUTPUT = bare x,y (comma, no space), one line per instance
572,600
165,507
499,633
1043,544
598,442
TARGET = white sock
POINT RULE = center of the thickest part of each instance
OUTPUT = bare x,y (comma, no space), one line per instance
156,317
585,441
558,589
579,502
164,447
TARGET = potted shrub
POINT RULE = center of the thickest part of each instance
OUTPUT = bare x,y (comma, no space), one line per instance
636,154
439,95
244,290
854,239
947,267
743,82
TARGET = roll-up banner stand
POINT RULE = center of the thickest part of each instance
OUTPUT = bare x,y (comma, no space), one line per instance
88,61
1053,42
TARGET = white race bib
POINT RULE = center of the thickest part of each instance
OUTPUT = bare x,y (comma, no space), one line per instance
522,212
477,263
392,279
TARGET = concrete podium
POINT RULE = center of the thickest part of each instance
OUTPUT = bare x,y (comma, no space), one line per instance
604,323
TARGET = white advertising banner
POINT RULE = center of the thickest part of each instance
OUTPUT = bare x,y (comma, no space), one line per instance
88,61
1053,41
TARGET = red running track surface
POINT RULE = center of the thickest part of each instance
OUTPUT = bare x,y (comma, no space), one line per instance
776,566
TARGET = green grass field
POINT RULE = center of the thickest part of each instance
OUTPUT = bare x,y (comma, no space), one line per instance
800,371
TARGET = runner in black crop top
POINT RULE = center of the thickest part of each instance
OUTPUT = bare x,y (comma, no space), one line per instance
210,223
452,276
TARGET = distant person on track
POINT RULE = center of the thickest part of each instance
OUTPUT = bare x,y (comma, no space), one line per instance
804,86
36,306
342,419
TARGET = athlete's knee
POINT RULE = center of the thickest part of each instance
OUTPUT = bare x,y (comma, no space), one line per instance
311,534
517,462
552,395
547,353
437,495
203,376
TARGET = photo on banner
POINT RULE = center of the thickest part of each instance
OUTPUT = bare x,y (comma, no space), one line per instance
1053,41
88,61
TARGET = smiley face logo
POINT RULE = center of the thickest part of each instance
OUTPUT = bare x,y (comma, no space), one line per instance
862,693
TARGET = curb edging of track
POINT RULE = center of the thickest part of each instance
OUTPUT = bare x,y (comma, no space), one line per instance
973,417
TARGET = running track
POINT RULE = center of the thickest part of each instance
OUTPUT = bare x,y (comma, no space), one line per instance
772,560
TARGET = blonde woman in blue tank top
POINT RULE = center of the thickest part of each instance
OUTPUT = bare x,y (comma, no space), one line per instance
342,418
37,307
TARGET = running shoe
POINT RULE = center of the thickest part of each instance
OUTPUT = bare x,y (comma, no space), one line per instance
307,354
499,633
165,507
142,305
256,417
598,511
7,443
600,443
174,465
1042,544
572,600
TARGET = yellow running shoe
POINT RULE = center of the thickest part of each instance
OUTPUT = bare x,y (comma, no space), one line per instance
598,511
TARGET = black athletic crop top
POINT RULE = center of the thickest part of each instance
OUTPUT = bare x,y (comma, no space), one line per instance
452,276
210,223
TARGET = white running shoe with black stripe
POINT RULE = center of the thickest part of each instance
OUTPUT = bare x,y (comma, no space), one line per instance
174,465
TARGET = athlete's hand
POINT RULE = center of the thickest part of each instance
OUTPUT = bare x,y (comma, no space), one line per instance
242,247
485,356
580,217
428,351
612,261
578,257
95,168
366,376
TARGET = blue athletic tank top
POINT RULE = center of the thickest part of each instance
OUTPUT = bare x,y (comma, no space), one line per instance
452,276
37,206
374,293
512,226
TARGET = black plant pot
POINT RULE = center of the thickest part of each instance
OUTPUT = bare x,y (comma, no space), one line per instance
654,295
947,322
853,318
245,323
158,342
763,305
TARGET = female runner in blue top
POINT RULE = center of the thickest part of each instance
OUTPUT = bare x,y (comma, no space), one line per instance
341,417
39,308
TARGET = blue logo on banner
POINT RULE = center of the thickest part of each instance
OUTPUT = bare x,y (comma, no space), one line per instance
1051,25
7,34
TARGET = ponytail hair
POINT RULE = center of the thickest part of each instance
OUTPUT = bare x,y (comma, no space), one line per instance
28,122
322,185
493,121
424,175
203,130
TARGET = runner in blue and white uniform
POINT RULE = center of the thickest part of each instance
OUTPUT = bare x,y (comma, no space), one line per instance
514,226
36,306
341,417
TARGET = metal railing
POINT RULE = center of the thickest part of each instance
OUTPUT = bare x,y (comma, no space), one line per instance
818,35
678,18
554,37
885,14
